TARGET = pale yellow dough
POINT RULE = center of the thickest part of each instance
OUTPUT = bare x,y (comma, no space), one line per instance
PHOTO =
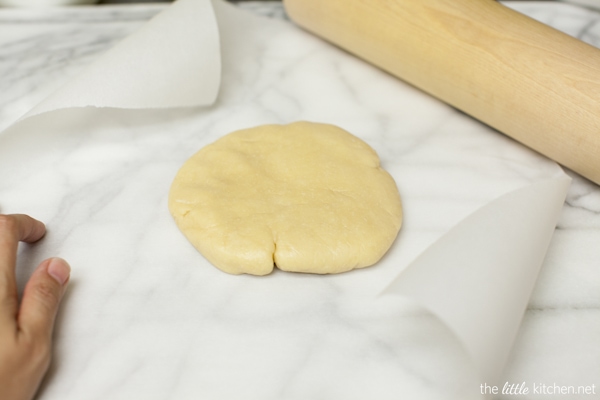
304,197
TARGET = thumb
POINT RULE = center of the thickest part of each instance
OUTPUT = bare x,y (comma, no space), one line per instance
42,296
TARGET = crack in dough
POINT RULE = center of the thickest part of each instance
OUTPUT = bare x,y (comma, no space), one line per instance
303,197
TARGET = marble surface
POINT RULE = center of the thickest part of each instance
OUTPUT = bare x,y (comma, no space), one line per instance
146,317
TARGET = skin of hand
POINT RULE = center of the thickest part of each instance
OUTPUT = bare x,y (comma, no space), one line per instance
26,328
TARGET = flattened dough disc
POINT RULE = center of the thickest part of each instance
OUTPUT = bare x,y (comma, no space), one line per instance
303,197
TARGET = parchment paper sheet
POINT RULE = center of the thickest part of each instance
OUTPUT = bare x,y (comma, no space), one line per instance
477,278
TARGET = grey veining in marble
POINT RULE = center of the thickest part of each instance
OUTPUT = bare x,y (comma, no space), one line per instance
147,318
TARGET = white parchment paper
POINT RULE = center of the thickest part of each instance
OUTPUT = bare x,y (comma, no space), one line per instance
172,61
477,278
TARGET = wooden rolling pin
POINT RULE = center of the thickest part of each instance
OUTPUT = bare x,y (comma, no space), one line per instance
529,81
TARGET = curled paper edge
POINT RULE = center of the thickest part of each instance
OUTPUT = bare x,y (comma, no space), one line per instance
478,278
172,61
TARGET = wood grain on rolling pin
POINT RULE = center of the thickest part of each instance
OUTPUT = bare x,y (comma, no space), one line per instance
529,81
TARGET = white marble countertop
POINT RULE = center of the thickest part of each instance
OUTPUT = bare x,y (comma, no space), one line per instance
146,318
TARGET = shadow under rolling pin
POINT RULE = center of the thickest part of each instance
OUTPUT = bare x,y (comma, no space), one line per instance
529,81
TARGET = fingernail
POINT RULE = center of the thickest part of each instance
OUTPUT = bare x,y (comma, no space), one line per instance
59,270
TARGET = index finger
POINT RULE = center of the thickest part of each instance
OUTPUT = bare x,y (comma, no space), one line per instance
14,229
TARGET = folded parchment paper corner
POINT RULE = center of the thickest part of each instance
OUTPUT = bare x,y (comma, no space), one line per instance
478,278
174,60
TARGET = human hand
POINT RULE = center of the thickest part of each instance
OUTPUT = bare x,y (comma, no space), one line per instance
26,329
